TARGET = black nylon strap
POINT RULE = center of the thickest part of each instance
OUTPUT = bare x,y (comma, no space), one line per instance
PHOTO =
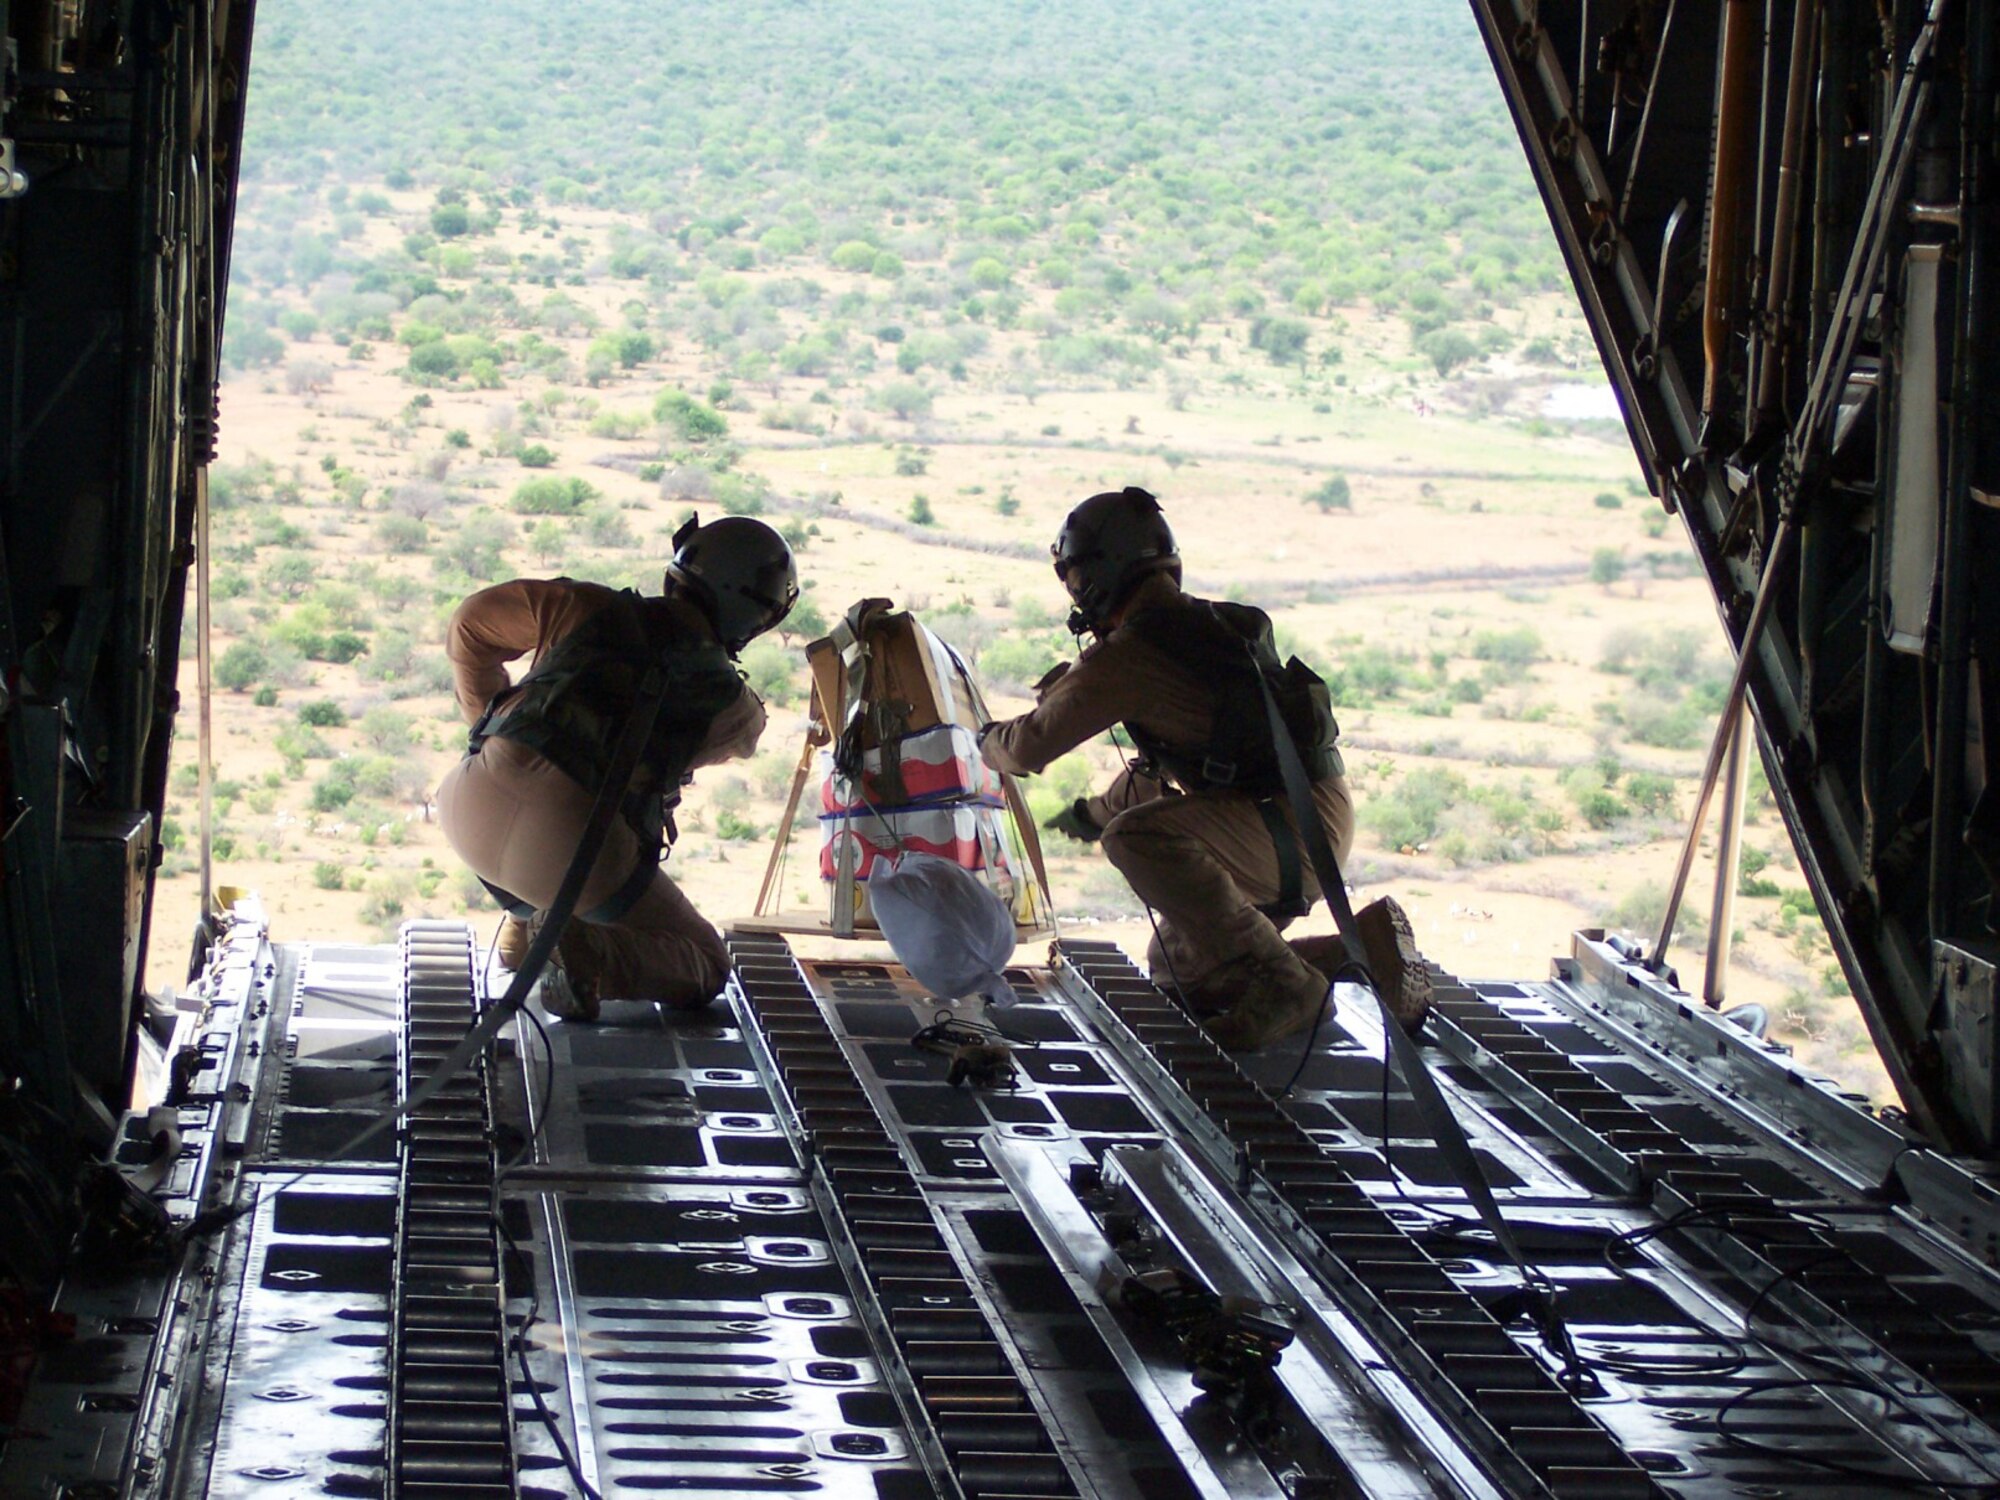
622,900
1291,900
1438,1118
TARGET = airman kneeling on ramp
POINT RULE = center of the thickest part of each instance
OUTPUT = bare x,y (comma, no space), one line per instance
516,807
1198,822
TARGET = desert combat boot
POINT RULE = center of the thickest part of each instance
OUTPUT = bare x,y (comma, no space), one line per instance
511,947
1401,972
568,987
1273,1000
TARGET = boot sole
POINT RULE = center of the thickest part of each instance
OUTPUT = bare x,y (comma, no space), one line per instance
577,971
512,947
1405,980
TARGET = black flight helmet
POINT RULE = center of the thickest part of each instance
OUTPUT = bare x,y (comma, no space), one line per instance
1110,545
739,572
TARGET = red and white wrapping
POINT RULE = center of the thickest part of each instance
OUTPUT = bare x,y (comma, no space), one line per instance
936,765
973,836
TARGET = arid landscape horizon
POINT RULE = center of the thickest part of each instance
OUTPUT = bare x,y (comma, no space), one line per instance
446,370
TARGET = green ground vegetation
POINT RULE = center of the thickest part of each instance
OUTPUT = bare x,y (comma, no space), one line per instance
906,281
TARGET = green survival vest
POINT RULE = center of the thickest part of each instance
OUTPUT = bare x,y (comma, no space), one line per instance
1226,646
573,704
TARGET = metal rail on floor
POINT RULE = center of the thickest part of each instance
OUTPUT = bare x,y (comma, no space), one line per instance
975,1419
450,1407
1508,1406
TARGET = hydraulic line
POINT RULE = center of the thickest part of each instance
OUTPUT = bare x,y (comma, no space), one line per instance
1784,223
1733,137
205,690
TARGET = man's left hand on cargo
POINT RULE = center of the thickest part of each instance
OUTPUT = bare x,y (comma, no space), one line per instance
1075,820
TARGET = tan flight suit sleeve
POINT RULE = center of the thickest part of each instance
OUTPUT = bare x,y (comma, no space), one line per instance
734,733
1102,689
508,621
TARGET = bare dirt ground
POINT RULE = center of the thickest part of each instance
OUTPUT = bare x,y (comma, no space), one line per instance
1468,519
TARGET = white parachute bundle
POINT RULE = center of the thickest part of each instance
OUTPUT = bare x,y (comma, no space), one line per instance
946,926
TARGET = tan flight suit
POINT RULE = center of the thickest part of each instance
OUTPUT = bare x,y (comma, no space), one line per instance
1203,861
516,819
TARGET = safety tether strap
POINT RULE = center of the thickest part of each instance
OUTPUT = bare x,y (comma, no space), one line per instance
1291,900
1430,1102
622,900
850,638
624,760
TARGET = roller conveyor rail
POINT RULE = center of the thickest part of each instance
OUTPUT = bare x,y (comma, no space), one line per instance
1510,1406
449,1402
976,1420
770,1248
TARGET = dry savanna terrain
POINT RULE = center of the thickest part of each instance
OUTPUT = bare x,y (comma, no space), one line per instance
479,377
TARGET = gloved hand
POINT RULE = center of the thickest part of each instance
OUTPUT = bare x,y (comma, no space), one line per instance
1075,820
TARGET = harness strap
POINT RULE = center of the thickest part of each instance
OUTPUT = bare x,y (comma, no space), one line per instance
850,639
1402,1049
622,900
1291,900
479,734
510,903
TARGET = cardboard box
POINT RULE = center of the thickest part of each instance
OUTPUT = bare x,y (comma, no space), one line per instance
913,680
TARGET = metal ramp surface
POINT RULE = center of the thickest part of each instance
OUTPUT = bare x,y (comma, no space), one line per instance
770,1249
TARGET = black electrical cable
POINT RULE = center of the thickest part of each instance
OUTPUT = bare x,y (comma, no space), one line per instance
542,1411
1790,1273
1173,978
1844,1375
541,1125
1628,1243
1438,1217
548,1063
1319,1019
1902,1483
